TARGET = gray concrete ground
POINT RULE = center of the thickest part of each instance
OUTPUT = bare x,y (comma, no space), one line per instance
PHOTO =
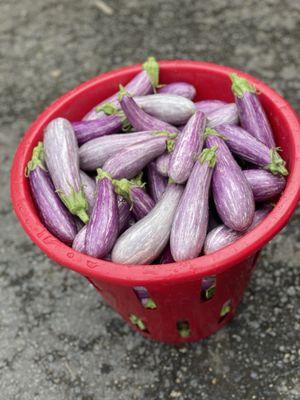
58,340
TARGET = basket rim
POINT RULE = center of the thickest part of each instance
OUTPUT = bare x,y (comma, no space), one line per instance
211,264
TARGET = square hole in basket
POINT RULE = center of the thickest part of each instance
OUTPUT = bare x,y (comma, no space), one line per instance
183,328
208,287
142,294
225,310
138,322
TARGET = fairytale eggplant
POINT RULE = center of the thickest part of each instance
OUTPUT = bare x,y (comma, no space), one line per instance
124,213
226,114
142,203
191,218
88,130
170,108
207,106
251,113
144,241
130,161
183,89
222,236
162,164
93,154
54,214
62,159
141,84
79,241
139,119
187,148
156,183
133,191
232,194
103,227
166,256
250,149
124,217
89,189
264,185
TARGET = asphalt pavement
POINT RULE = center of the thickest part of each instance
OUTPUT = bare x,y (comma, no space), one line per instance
58,339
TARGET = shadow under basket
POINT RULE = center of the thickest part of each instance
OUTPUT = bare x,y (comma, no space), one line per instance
177,302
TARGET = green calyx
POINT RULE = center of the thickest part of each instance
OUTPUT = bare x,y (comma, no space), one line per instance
209,155
138,180
112,109
135,320
102,174
277,164
240,85
122,186
122,92
171,181
108,108
150,304
76,204
170,135
170,145
152,68
126,125
213,132
37,159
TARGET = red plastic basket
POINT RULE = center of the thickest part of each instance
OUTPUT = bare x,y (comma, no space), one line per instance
183,301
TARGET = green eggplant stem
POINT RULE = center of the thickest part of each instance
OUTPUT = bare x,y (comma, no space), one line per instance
36,159
241,85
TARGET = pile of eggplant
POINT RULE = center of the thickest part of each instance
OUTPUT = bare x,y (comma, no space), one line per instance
149,176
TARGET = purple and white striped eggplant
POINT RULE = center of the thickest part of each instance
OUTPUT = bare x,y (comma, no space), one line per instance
227,114
265,186
213,219
183,89
54,214
124,217
124,213
222,236
88,130
207,106
79,241
166,256
156,183
187,147
89,189
62,159
250,149
79,224
191,218
232,194
251,113
142,203
145,240
170,108
93,154
103,227
139,119
162,164
130,161
140,85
